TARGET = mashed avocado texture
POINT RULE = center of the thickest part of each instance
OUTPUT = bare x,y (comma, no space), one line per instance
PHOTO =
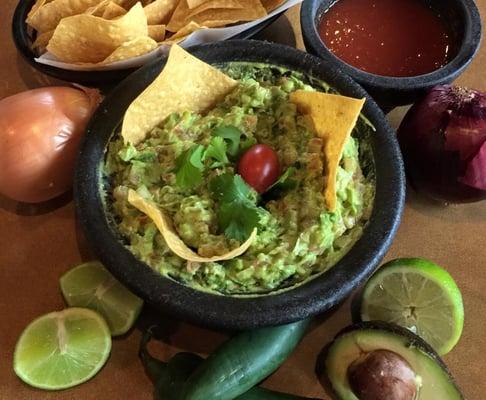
297,237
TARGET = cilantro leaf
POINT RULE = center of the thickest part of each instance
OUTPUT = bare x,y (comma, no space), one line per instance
246,144
196,155
237,213
189,167
285,182
217,151
238,221
229,188
232,134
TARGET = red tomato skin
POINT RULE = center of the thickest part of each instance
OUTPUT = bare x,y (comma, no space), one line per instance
259,167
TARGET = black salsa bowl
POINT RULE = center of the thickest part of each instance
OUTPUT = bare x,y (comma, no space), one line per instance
24,37
462,16
305,300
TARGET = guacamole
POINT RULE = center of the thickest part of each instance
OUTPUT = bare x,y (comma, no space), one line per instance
297,237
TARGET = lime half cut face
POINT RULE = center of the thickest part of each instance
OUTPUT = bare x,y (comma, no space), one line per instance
62,349
419,295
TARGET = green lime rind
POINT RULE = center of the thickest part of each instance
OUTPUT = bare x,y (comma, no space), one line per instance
387,295
62,349
91,286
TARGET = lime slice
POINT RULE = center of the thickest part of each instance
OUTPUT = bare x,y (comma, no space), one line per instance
62,349
419,295
90,285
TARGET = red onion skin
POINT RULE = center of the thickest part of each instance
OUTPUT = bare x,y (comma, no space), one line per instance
439,136
475,172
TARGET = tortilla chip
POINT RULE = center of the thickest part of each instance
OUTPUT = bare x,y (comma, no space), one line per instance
157,32
174,242
37,5
248,10
195,3
42,40
113,10
186,83
334,118
212,4
127,4
88,39
185,31
48,16
271,5
182,33
160,11
133,48
98,9
178,18
175,39
253,11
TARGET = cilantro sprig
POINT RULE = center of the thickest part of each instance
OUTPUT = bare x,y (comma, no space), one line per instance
232,134
216,151
225,141
237,212
190,164
189,167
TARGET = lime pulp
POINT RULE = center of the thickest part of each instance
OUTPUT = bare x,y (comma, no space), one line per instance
62,349
90,285
419,295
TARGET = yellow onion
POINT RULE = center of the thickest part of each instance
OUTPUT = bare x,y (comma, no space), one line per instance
40,131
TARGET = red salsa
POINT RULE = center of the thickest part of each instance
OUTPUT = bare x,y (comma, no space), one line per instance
387,37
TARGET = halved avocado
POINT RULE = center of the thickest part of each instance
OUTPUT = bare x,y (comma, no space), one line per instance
357,342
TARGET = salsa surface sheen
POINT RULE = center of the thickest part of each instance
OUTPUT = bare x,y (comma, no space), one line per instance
387,37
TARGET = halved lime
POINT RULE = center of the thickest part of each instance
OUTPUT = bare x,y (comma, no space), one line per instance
419,295
90,285
62,349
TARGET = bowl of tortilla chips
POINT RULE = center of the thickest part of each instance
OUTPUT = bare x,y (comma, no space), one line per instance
99,41
167,206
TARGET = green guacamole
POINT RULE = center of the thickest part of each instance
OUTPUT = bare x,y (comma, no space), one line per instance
297,238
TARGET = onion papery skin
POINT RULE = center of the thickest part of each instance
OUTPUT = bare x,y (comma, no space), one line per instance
439,137
40,131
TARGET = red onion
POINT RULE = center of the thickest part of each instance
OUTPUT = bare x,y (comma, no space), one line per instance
443,141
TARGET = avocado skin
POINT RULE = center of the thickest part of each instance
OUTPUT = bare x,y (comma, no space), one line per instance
380,326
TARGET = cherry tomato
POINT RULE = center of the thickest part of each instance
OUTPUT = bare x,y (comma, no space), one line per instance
259,167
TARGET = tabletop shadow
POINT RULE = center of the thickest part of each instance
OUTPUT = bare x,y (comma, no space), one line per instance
320,371
279,32
84,249
32,78
453,213
34,209
178,334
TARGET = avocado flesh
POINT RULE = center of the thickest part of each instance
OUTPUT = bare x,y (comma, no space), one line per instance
434,382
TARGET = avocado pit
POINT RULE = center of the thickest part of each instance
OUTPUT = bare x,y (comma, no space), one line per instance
382,375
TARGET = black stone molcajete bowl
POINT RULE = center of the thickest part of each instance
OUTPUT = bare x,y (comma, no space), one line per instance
461,15
23,38
313,297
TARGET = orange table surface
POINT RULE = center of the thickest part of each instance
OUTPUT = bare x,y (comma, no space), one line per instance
38,244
